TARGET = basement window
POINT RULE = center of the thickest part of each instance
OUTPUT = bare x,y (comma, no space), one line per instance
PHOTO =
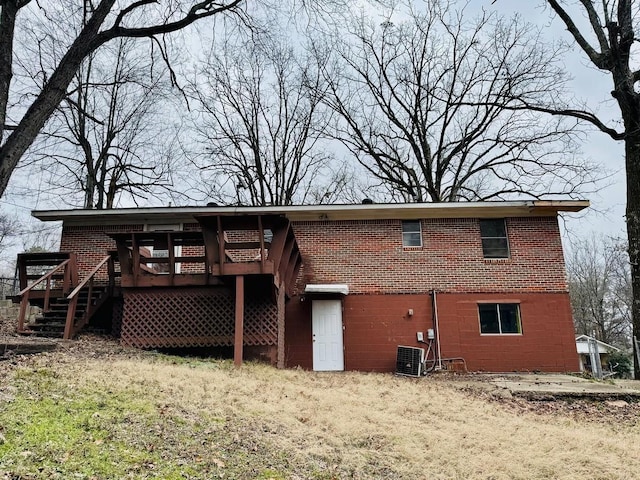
499,318
493,233
411,233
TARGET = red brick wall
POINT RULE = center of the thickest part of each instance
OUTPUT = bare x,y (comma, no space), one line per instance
297,333
370,258
547,342
91,244
374,325
385,280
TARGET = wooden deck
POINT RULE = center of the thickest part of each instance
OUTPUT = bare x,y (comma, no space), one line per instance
179,288
218,260
227,251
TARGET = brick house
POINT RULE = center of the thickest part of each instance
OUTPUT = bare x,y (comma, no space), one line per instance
331,287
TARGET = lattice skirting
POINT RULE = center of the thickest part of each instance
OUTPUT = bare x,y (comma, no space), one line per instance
194,317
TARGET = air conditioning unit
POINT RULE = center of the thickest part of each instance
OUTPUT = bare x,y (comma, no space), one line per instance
410,361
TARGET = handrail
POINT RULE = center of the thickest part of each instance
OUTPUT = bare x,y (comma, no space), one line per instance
73,297
88,277
69,277
44,277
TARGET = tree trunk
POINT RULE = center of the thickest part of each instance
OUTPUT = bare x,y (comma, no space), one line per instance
632,152
7,26
51,94
629,103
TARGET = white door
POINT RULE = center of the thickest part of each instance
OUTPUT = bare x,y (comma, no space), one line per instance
326,318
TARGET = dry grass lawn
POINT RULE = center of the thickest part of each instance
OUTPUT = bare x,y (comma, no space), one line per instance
135,415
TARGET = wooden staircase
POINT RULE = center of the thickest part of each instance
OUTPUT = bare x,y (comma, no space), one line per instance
67,304
52,322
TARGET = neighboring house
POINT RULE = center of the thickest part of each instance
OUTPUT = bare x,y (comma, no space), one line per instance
329,287
584,353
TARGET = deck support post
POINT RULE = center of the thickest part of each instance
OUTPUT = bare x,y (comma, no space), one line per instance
280,313
239,330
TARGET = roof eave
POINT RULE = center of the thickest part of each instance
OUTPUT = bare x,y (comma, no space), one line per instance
321,212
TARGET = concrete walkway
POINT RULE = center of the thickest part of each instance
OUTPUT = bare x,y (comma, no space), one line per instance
551,386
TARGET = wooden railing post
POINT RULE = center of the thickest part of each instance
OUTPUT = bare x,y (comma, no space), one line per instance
66,279
261,234
90,297
47,294
24,304
221,246
71,314
172,255
135,259
73,273
111,272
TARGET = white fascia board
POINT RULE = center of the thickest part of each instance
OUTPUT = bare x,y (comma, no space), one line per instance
408,211
340,288
582,345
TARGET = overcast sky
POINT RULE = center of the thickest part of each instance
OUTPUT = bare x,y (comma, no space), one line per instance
606,215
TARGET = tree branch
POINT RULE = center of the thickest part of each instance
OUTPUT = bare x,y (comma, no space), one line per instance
599,59
198,11
55,88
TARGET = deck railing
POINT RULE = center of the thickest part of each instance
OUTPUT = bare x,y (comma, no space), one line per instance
69,269
75,295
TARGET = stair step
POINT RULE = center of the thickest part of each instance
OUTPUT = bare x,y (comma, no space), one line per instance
56,334
52,323
37,326
62,311
48,318
47,333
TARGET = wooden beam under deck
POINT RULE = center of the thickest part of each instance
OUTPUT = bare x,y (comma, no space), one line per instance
178,280
239,328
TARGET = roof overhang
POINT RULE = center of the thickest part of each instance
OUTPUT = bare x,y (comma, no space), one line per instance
582,345
381,211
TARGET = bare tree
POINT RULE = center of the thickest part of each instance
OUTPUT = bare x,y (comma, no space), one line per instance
112,134
600,288
36,237
604,31
423,100
262,126
9,229
106,20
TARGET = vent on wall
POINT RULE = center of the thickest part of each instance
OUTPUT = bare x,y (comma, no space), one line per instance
410,361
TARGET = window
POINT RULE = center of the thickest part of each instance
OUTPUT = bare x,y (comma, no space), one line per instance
499,318
160,249
411,233
495,243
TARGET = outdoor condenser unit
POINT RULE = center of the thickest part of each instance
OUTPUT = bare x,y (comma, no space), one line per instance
410,361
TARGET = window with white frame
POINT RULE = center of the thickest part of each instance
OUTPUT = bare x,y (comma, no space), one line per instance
411,233
495,243
499,318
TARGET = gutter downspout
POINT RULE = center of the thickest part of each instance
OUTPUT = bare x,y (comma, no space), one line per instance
437,328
